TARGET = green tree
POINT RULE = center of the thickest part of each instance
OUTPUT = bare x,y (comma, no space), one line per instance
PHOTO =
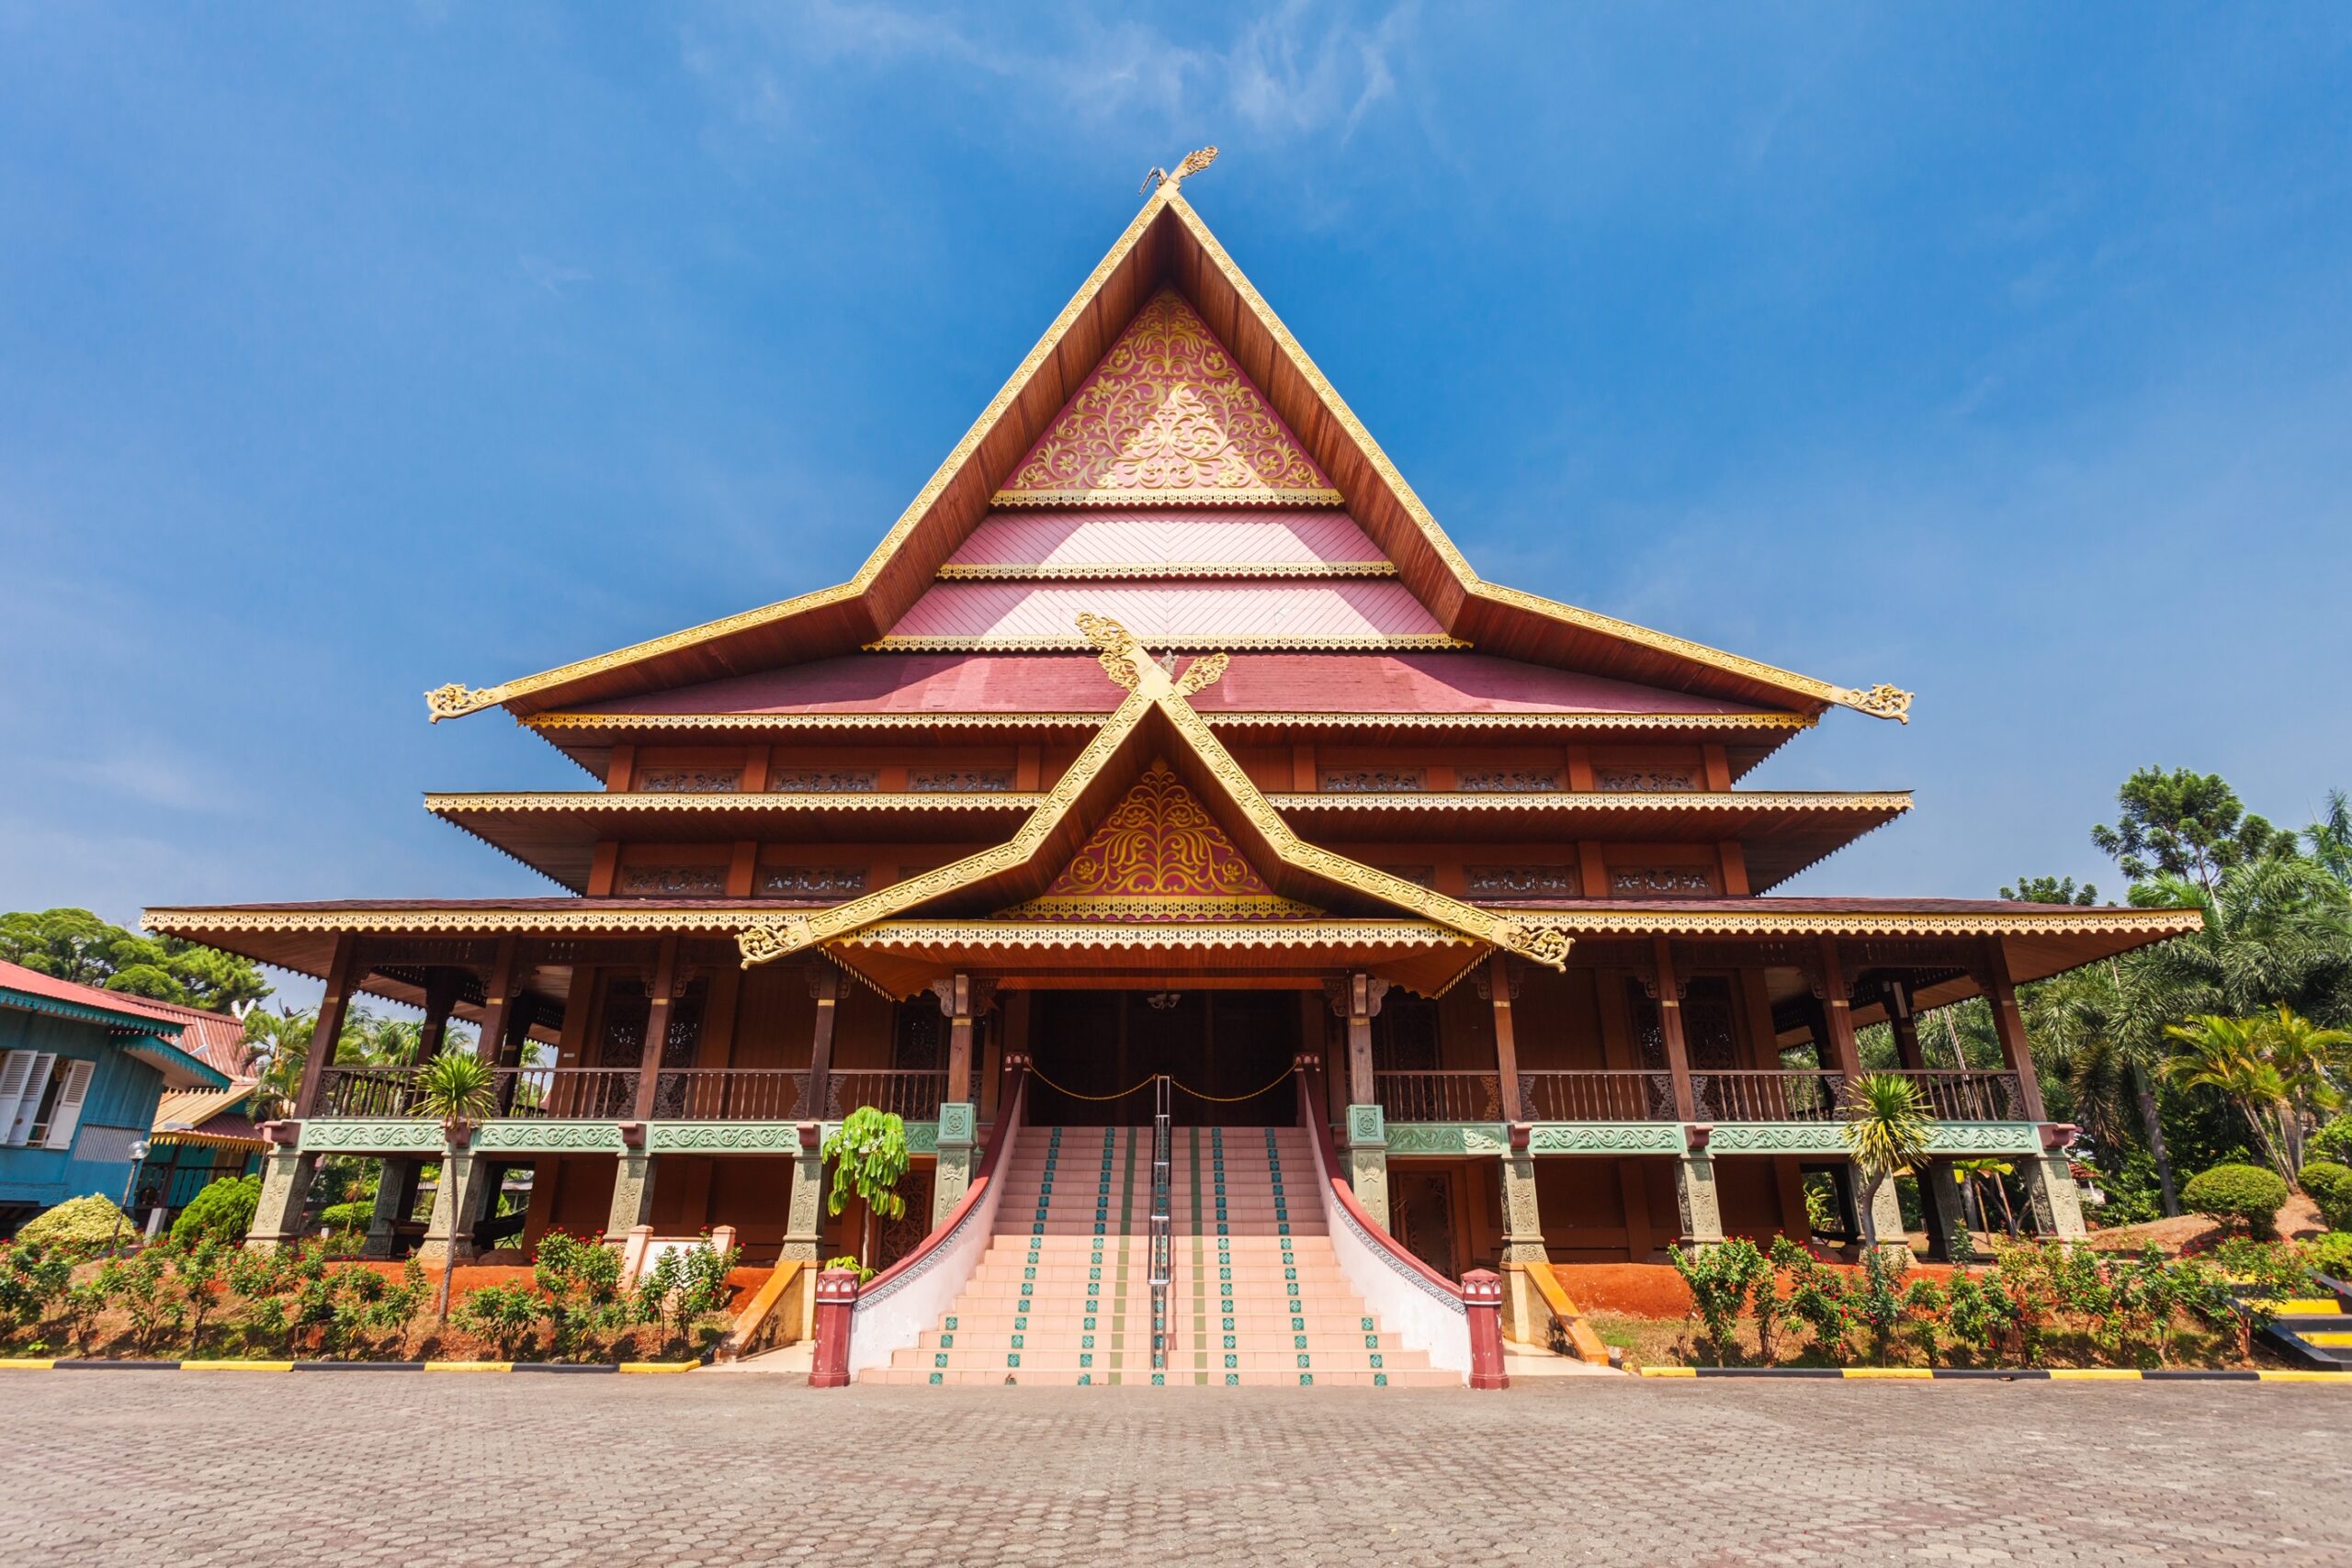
2189,825
2229,1057
868,1153
1887,1128
2050,890
2330,838
454,1089
77,945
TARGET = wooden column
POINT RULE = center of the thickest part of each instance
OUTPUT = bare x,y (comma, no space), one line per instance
498,1001
441,988
1905,1025
1365,994
343,975
825,985
1505,1038
1669,1028
657,1025
955,995
2008,1023
1837,1013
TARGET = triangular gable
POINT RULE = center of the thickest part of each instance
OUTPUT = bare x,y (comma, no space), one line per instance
1167,418
1160,855
1158,698
1166,241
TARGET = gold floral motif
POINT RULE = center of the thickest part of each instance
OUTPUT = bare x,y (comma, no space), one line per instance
1166,416
1159,856
1883,701
1115,647
1203,675
455,701
765,939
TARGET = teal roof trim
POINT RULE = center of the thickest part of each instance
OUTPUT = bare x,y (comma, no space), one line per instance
57,1007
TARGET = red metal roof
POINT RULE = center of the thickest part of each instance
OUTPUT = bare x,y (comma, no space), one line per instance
1163,539
1406,683
1193,612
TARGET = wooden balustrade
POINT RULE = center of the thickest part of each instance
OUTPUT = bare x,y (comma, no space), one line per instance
579,1094
1598,1095
1782,1095
368,1091
731,1094
1440,1096
916,1096
1969,1096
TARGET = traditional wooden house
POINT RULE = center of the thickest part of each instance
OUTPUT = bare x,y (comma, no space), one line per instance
1166,749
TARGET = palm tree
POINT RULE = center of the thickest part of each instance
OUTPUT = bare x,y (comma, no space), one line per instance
2231,1055
2309,1059
1887,1129
1990,1171
454,1089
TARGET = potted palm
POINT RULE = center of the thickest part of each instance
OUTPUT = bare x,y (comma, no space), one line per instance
1887,1129
455,1090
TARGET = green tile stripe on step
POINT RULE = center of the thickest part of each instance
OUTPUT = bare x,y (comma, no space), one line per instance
1200,1281
1290,1261
1127,1252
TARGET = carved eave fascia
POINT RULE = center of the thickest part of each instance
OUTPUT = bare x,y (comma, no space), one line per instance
560,723
1863,802
1738,918
1166,239
1010,870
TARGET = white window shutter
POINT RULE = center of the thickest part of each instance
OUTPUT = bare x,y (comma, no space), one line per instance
68,1114
20,1122
16,1073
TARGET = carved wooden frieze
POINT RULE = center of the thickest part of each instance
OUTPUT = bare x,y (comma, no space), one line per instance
960,781
1657,881
811,881
674,880
690,781
824,781
1373,781
1646,781
1508,780
1521,881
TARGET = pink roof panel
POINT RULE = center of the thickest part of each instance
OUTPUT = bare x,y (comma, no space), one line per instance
1433,683
1167,540
1190,612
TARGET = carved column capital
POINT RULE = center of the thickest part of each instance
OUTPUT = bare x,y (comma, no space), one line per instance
1358,996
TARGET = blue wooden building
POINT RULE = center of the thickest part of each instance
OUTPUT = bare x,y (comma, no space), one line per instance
81,1071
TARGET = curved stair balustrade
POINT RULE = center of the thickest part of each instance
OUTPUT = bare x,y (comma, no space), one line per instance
896,1305
1427,1310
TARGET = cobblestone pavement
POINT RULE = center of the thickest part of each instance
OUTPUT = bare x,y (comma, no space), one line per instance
414,1469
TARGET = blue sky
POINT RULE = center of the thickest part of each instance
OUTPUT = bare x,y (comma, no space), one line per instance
2006,355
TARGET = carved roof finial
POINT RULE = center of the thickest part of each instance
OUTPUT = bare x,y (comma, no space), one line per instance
1195,161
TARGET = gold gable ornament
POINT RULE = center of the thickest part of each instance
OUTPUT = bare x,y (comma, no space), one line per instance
1195,161
1883,701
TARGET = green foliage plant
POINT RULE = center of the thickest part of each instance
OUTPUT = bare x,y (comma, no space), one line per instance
586,1307
1975,1317
1921,1311
196,1270
1887,1127
355,1215
849,1261
2332,1255
508,1316
684,1285
455,1088
2238,1196
1767,1304
1719,1275
260,1279
868,1153
32,1279
141,1287
77,1228
223,1210
2330,1185
1818,1300
1875,1302
2333,1142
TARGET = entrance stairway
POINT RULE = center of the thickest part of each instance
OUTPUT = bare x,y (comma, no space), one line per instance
1063,1294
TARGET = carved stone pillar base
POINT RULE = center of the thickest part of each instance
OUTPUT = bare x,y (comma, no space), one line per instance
632,1196
284,1193
1694,1199
1367,1156
1886,1219
958,1123
804,1223
1522,1220
457,1209
1946,1214
391,1186
2050,1192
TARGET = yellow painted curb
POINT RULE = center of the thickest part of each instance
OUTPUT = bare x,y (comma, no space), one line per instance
1669,1371
469,1366
236,1366
659,1366
2316,1306
2095,1374
2330,1339
2305,1377
25,1366
1888,1372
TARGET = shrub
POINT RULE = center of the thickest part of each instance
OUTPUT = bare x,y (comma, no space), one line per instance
1720,1277
2330,1185
507,1315
2331,1253
353,1216
2238,1195
31,1278
684,1285
2332,1142
581,1278
223,1210
79,1227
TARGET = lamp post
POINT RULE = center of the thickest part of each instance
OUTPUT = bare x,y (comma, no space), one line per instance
137,1158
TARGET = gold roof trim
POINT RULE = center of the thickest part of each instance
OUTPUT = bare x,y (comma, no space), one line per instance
721,915
999,571
1324,932
1150,686
455,699
1419,642
1602,800
1164,906
1220,499
579,801
1637,921
555,721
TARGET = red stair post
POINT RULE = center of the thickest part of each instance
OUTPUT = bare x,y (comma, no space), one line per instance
1482,1295
836,1299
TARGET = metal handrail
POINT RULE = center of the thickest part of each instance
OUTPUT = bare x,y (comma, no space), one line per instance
1163,1235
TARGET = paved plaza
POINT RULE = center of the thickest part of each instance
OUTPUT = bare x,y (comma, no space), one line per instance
413,1469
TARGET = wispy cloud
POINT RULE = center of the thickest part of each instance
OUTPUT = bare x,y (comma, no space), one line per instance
1303,70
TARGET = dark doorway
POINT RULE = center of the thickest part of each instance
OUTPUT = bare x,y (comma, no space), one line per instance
1225,1046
